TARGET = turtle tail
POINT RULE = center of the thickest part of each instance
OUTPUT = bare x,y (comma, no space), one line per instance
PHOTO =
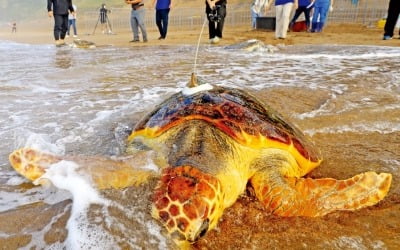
317,197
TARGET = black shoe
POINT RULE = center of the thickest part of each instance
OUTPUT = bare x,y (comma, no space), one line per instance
161,38
134,41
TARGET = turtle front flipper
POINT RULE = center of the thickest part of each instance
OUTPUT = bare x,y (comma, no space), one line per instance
316,197
31,163
104,172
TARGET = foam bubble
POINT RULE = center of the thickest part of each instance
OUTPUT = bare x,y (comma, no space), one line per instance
360,128
40,142
64,175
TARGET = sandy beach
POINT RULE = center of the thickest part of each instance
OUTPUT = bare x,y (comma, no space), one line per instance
350,34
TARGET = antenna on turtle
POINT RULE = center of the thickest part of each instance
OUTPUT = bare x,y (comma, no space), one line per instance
193,79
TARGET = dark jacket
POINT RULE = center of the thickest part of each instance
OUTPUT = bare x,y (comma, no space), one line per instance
60,7
222,3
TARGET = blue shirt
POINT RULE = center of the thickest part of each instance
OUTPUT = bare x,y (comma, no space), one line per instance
281,2
304,3
163,4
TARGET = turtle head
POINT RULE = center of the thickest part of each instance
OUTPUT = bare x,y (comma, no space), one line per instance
187,202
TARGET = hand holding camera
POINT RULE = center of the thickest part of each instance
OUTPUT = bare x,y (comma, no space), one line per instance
214,16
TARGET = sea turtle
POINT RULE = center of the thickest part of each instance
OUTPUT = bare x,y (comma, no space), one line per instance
83,44
252,45
210,142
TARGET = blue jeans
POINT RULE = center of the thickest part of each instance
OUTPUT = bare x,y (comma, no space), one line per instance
73,23
137,21
321,12
162,21
254,16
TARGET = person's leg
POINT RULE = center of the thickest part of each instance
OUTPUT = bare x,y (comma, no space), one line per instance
254,16
134,26
74,26
140,21
315,19
64,26
220,24
297,13
279,19
57,27
165,22
323,17
69,26
287,9
158,23
211,28
392,16
307,16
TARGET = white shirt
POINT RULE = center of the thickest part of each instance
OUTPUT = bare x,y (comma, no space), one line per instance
70,16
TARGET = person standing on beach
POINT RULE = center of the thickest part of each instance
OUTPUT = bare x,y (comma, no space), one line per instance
59,10
137,19
321,9
216,12
72,21
162,11
283,9
104,22
14,27
391,20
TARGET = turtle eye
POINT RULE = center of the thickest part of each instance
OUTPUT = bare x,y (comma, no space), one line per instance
203,229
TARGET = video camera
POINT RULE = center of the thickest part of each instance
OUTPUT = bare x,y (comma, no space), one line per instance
214,16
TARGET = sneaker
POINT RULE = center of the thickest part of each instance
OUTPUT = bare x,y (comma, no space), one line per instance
387,37
60,43
134,41
214,40
145,40
161,38
75,36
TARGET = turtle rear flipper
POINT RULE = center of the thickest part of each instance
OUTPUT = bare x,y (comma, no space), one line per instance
104,172
316,197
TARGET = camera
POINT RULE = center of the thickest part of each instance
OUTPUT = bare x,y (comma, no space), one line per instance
214,16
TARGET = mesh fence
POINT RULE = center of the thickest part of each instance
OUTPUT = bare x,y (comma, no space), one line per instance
366,12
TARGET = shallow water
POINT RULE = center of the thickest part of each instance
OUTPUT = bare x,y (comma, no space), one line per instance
75,101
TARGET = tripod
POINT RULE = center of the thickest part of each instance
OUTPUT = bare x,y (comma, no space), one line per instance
103,18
